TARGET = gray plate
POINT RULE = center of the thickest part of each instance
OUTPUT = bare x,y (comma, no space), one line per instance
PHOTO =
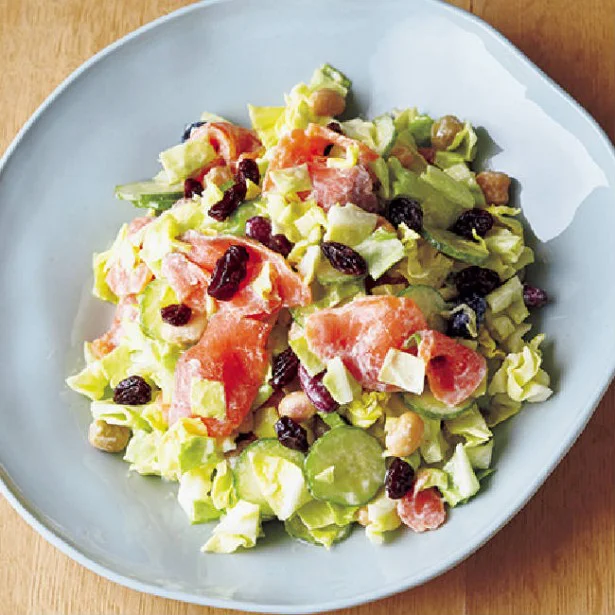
106,125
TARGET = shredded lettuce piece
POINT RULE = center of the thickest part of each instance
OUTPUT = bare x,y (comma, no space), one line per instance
501,408
281,483
463,483
382,517
240,527
367,409
471,426
423,263
433,446
521,376
418,124
194,497
381,250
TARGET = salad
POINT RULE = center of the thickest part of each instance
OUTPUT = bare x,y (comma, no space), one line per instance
317,321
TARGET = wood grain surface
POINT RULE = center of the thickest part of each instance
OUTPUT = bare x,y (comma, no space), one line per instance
557,556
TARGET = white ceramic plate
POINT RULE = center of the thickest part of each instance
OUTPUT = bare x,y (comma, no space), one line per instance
106,124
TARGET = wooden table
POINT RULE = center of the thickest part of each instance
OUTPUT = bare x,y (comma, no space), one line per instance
555,557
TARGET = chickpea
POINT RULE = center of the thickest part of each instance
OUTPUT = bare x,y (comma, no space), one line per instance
363,516
108,438
443,131
404,434
297,406
327,102
495,187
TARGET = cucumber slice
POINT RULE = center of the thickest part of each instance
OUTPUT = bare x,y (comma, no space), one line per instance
357,465
150,194
430,302
454,246
297,529
156,295
429,407
246,484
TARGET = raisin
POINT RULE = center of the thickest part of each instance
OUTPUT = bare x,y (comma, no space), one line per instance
476,279
191,187
284,369
189,128
344,258
280,244
259,228
291,434
473,219
176,314
229,272
231,200
398,479
335,127
327,149
405,210
248,169
316,391
132,391
534,297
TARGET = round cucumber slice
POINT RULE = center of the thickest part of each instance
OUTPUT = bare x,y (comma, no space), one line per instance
430,302
454,246
150,194
156,295
429,407
297,529
345,466
246,483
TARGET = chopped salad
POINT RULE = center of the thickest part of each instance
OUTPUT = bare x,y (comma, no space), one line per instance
317,321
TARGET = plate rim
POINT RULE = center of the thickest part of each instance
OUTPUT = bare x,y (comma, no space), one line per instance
32,517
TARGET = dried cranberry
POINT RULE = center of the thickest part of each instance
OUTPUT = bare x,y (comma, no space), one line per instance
398,479
291,434
476,279
189,128
280,244
229,272
132,391
475,219
259,228
344,258
176,314
231,200
316,391
335,127
284,369
534,297
405,210
191,187
248,169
